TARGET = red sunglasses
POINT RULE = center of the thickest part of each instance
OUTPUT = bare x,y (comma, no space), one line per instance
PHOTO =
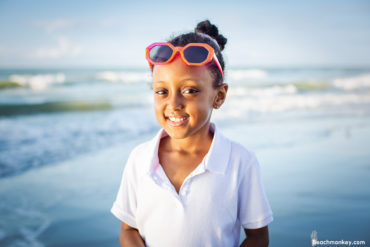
196,54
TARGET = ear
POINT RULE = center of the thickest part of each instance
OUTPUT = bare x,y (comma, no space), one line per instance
220,95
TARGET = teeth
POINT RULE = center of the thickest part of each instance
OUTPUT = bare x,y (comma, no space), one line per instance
175,119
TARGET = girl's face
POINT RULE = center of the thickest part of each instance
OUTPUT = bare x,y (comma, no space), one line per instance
184,98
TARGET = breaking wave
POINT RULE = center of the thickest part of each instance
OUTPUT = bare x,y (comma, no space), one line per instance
123,76
353,83
240,74
39,81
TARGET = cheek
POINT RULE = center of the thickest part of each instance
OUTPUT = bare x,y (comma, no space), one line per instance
201,108
158,108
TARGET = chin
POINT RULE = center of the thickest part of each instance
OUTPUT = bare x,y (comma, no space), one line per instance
176,134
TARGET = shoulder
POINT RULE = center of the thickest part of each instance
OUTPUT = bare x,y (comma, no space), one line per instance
140,157
241,152
242,160
237,155
141,150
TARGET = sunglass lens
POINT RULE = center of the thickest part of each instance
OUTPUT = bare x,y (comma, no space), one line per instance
196,54
160,53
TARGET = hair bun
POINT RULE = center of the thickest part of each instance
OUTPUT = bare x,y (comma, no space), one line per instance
208,28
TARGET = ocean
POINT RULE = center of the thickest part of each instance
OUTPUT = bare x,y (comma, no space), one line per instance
65,135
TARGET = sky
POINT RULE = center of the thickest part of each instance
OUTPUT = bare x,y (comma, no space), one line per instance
270,33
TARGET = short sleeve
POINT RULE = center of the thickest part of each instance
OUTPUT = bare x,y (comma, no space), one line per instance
254,208
124,207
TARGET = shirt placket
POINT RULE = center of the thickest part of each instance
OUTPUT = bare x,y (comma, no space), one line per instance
185,187
162,180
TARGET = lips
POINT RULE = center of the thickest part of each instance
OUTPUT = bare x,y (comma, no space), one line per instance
177,120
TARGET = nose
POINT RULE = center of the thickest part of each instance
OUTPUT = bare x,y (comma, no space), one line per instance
175,101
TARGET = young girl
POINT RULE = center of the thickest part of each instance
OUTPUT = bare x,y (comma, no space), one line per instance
191,186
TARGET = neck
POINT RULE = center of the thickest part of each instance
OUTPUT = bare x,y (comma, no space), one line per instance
200,142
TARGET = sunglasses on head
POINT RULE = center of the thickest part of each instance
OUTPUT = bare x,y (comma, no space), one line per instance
196,54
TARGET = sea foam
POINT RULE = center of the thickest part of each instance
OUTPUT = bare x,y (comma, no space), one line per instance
240,74
123,76
280,99
353,83
23,225
39,81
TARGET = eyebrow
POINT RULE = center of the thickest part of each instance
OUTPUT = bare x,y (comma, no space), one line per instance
186,79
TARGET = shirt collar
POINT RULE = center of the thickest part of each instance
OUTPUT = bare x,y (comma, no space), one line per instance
218,155
216,159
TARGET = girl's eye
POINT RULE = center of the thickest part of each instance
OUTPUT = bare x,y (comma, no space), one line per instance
191,91
160,91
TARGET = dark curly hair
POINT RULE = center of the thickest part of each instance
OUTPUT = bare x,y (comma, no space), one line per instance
206,32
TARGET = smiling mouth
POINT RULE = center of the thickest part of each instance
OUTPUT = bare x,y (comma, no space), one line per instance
177,121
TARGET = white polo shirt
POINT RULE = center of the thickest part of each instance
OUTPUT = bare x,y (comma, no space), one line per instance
223,194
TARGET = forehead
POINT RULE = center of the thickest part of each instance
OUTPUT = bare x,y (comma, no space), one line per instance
178,70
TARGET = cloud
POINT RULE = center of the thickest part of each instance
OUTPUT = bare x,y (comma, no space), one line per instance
54,25
64,48
108,22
